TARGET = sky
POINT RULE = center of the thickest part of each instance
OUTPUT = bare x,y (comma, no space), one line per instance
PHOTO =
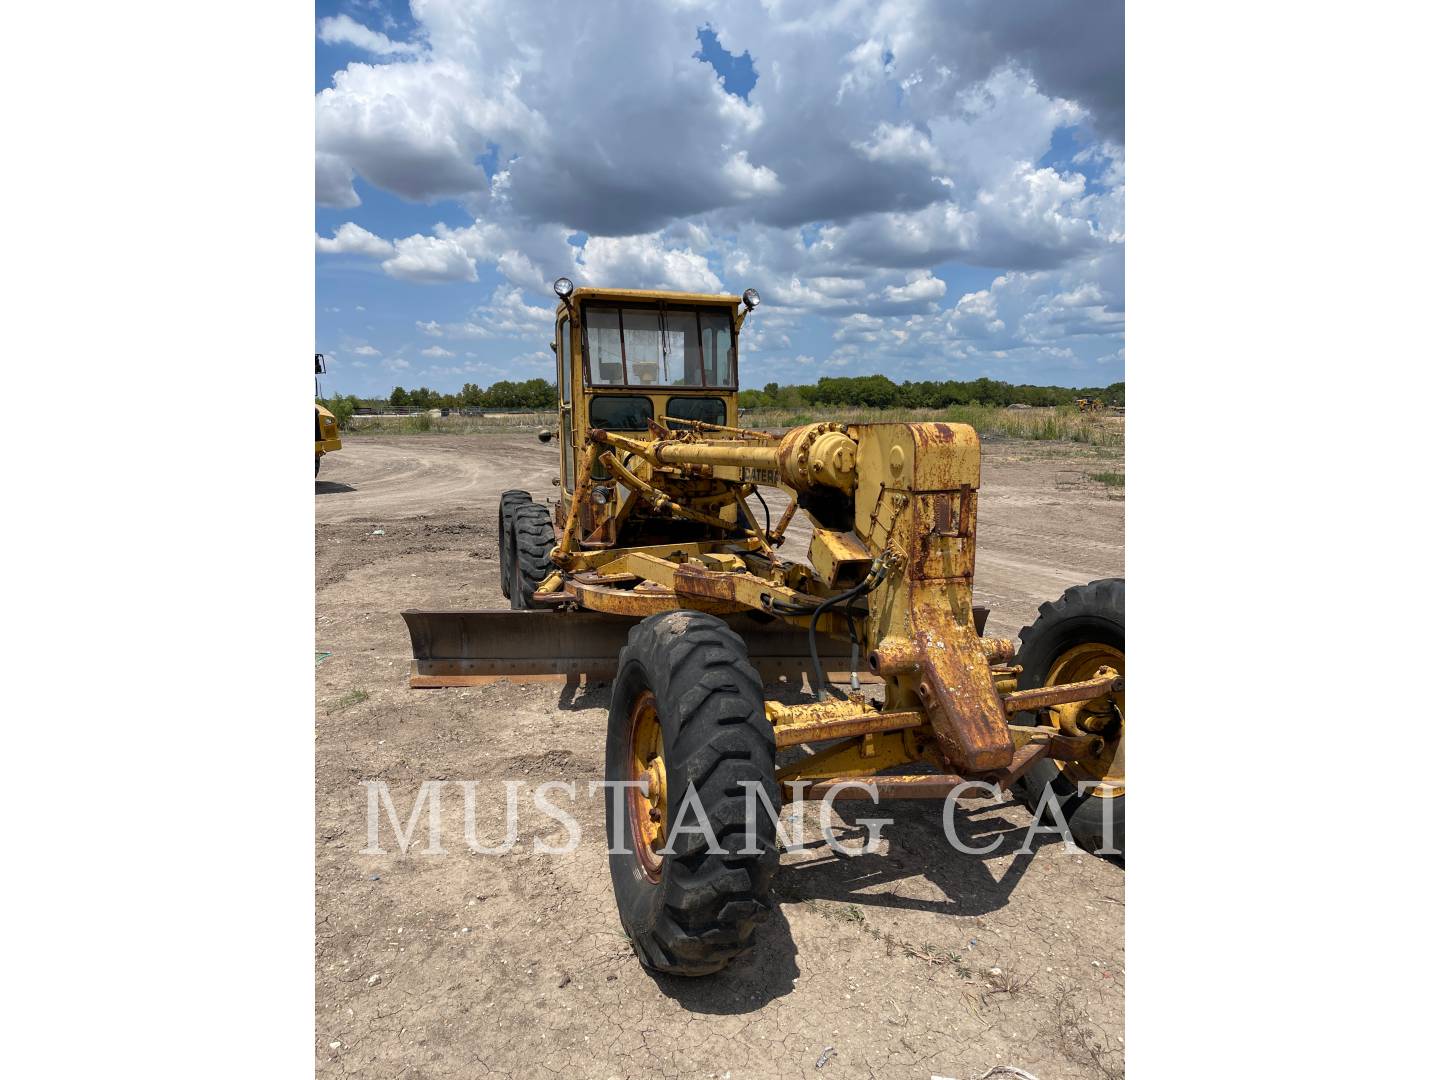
929,189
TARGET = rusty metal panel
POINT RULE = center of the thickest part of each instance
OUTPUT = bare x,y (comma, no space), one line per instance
839,558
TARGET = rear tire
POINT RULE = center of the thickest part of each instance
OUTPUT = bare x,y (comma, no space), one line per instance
1092,614
508,501
696,911
532,539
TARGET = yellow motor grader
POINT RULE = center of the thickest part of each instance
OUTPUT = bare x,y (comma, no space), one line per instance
658,570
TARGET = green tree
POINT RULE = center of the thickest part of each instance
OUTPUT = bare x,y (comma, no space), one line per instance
750,399
343,406
398,396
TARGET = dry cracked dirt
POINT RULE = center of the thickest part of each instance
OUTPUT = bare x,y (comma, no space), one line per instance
914,961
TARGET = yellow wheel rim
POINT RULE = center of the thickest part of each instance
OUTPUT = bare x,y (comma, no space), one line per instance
647,807
1104,716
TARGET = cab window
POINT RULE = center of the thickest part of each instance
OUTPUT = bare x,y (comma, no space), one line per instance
718,343
708,410
614,413
562,357
603,343
659,345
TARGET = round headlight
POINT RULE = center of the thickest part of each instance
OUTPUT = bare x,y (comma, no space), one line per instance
564,287
751,298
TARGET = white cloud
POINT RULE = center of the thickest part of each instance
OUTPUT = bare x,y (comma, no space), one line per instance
342,29
334,185
436,351
920,287
900,143
365,350
506,315
645,262
429,260
395,363
351,239
748,180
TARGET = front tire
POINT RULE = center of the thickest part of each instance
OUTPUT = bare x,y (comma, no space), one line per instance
687,713
1068,641
509,500
532,534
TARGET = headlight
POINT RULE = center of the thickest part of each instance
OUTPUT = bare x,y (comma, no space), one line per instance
751,298
564,287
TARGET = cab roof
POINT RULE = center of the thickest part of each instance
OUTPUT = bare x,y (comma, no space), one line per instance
589,293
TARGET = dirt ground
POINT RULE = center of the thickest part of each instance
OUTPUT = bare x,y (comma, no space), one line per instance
465,965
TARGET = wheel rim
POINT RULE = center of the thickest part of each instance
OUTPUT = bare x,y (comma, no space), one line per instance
647,807
1104,716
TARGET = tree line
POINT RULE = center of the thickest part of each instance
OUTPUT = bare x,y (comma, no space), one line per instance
530,394
868,391
879,392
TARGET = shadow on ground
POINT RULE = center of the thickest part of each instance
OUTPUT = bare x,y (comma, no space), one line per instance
917,846
768,971
331,487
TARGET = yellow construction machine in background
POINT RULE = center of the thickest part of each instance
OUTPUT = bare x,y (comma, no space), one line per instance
327,428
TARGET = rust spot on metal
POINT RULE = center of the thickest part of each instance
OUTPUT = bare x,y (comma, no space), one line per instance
998,650
1043,696
820,730
707,584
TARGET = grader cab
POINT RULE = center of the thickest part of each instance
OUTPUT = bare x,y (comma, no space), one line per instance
659,571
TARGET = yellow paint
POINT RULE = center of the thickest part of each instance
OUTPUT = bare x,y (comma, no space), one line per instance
329,431
1104,716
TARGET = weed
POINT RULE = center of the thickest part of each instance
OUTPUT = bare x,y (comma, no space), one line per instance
1109,479
346,701
927,953
1080,1042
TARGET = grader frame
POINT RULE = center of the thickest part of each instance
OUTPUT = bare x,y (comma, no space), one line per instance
654,571
889,580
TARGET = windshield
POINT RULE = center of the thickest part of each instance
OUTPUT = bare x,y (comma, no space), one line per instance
631,345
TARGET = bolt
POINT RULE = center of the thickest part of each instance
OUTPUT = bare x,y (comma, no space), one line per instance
655,813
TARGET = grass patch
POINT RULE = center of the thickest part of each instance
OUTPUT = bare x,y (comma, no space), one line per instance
425,424
346,701
1109,479
1062,424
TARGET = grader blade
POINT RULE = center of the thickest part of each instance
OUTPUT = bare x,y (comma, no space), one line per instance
469,648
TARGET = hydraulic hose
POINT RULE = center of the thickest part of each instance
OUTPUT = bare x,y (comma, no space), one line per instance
871,582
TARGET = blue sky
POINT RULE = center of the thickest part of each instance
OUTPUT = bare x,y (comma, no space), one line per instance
922,188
